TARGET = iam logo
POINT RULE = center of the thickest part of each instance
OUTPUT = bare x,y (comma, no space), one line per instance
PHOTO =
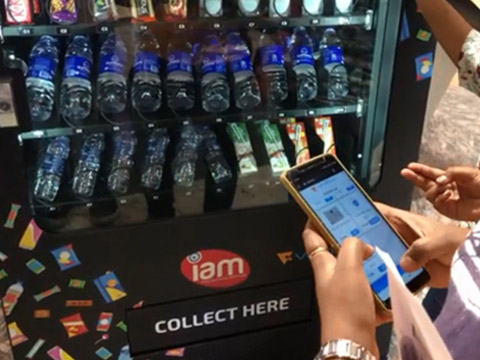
215,268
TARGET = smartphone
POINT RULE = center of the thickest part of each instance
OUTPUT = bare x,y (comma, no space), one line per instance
340,208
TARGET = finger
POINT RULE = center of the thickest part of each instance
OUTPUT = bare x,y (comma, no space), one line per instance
420,253
426,171
443,198
323,263
434,191
416,179
352,254
461,175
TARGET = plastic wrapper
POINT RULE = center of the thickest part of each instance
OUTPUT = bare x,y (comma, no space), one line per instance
296,133
18,11
63,11
275,150
105,10
216,162
324,130
175,9
243,148
152,173
184,164
142,10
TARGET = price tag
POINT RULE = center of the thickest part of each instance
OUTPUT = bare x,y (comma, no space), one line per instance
123,201
311,112
181,26
143,27
343,20
186,122
150,125
89,205
340,110
25,31
281,115
52,208
116,128
189,193
218,120
251,24
249,117
217,26
315,21
104,29
155,197
78,131
63,31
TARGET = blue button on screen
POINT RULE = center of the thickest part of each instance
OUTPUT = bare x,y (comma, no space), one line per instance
381,284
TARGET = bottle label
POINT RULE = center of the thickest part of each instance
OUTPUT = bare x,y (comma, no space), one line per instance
112,63
302,55
272,55
42,67
213,63
179,61
77,67
332,55
240,62
146,61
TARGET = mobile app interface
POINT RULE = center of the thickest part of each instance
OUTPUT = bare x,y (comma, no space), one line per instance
346,212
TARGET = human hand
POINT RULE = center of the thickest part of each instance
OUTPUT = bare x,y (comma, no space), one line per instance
345,299
454,192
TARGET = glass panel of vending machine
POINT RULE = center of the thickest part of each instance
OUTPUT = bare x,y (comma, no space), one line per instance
146,110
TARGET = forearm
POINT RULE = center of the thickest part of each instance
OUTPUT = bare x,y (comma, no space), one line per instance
449,27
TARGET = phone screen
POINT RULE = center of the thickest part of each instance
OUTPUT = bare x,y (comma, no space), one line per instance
345,212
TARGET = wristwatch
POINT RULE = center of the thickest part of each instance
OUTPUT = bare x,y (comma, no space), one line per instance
344,349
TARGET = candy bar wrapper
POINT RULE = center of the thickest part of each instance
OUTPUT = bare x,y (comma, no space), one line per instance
238,132
18,11
296,133
273,144
142,10
63,11
105,10
175,9
324,130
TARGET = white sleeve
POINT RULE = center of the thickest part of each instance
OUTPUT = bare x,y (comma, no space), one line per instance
469,63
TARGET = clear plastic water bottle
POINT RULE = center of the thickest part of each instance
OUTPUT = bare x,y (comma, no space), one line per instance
333,61
247,90
215,88
40,81
303,62
112,83
147,84
344,6
273,66
185,160
180,81
152,172
216,162
124,144
88,166
76,90
50,170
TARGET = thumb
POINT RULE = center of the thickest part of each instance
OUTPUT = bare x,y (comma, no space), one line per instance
420,253
352,254
461,175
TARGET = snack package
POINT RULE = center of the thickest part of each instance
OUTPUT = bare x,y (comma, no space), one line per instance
324,129
142,10
175,9
18,11
273,144
238,132
296,133
63,11
104,10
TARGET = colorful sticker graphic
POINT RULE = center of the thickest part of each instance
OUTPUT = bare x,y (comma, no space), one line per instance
77,284
125,353
66,257
176,352
424,35
424,66
3,274
31,236
110,287
74,325
44,294
12,216
405,33
103,353
35,348
16,335
3,257
122,326
79,303
41,314
57,353
36,266
104,321
11,297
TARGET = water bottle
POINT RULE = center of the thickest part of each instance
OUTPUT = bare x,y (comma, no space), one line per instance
152,172
334,63
247,90
124,144
215,87
279,8
250,7
313,7
40,84
88,166
147,84
76,90
303,62
344,6
180,82
216,162
112,83
50,171
273,66
185,160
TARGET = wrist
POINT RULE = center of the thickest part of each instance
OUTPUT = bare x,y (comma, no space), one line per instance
364,335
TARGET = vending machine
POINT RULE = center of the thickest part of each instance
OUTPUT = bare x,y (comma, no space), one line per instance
141,144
